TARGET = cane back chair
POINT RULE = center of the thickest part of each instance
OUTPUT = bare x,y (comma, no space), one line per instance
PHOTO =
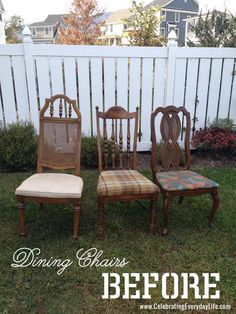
172,179
123,183
59,150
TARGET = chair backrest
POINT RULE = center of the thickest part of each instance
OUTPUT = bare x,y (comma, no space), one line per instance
118,120
59,135
175,121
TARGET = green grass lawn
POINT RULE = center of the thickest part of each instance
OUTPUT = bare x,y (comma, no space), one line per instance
190,247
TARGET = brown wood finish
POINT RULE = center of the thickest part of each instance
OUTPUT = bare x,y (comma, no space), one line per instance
66,106
118,116
170,154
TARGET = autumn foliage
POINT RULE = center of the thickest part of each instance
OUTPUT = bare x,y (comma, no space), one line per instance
81,26
215,138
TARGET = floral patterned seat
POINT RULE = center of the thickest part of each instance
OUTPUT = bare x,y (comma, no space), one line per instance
183,180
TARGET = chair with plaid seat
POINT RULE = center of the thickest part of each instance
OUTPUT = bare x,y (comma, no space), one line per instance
171,179
125,183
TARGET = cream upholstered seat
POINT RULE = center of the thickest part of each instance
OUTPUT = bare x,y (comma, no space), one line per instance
121,182
51,185
59,149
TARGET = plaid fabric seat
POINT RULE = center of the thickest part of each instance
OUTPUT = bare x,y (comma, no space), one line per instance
183,180
121,182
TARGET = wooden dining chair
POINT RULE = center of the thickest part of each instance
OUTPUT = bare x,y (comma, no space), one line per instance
172,179
122,183
59,150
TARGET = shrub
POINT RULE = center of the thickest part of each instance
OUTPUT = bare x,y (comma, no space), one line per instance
89,152
215,138
18,147
222,123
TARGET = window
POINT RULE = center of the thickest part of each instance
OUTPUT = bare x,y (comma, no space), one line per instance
171,27
0,17
46,30
177,16
163,32
33,31
189,16
177,32
125,26
163,15
111,28
112,41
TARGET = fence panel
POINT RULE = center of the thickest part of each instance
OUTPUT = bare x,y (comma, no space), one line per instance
201,79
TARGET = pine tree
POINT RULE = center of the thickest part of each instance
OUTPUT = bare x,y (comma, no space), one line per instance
81,25
216,29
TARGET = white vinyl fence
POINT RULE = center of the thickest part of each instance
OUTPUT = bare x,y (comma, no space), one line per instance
201,79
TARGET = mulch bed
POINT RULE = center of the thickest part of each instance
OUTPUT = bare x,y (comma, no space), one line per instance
207,160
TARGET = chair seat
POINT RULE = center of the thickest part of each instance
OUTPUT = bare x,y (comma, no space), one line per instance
51,185
124,182
183,180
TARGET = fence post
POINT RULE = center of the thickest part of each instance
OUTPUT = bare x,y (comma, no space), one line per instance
170,77
30,76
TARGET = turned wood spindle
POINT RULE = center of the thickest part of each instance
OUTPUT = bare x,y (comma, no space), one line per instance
121,145
113,144
105,144
128,144
70,110
51,109
60,108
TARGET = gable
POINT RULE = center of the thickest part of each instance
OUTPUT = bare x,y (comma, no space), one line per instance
189,5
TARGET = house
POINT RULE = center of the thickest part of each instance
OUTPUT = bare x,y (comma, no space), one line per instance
2,29
115,27
46,32
174,14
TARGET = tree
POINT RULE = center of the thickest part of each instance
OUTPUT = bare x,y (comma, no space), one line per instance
215,29
143,25
13,29
81,26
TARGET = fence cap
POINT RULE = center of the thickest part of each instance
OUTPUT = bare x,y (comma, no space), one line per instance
172,39
27,34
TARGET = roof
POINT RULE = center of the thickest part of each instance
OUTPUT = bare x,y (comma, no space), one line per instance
103,17
160,3
118,16
1,6
51,19
54,19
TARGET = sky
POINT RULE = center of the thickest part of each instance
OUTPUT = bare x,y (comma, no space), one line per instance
35,11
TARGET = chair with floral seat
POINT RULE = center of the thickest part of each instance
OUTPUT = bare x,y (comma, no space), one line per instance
172,179
59,150
122,183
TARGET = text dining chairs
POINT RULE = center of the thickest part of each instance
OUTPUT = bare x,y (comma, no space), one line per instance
123,183
171,179
59,149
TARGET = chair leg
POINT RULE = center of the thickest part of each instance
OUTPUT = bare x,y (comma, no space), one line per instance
21,207
215,206
180,199
166,205
152,225
100,231
76,220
